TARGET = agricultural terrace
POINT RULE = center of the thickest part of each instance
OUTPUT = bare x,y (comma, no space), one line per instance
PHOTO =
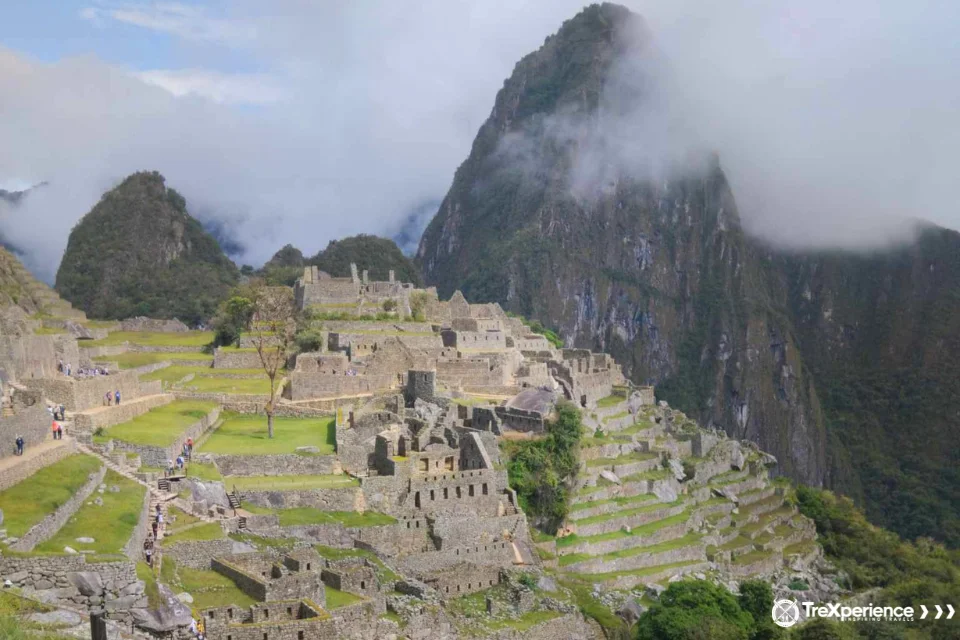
247,435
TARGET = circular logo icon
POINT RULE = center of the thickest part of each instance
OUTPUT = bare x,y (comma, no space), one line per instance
785,613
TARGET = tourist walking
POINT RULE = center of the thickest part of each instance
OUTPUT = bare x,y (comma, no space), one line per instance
180,462
19,443
116,396
63,412
59,431
189,447
156,525
53,428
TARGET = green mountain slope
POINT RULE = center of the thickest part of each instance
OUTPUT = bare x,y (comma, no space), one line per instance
138,252
375,254
839,364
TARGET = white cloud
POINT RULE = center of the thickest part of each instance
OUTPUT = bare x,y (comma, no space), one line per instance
834,123
181,20
250,89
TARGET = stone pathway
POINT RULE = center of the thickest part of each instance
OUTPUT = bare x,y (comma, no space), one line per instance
32,451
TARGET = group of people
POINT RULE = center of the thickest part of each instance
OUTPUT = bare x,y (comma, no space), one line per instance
148,549
181,461
57,412
57,430
157,525
112,398
82,372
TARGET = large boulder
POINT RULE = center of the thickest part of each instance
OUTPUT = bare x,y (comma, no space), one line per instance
88,583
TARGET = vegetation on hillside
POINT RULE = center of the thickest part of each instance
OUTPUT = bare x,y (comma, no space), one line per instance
377,255
695,609
284,267
537,327
903,573
542,471
138,252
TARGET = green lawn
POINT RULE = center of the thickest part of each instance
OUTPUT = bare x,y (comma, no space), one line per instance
234,386
620,502
208,531
247,435
290,483
627,512
333,553
133,360
206,472
110,525
337,598
208,588
100,324
159,339
642,530
309,515
159,427
610,401
28,502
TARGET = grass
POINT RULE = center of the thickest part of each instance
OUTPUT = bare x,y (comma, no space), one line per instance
337,598
247,435
158,339
173,373
133,360
653,474
230,386
110,525
309,515
753,556
646,571
177,518
208,588
641,497
100,324
27,503
332,553
50,331
628,512
145,573
208,531
642,530
610,401
636,456
291,483
159,427
203,471
802,547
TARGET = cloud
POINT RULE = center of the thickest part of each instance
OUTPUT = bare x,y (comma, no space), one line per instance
222,88
181,20
834,122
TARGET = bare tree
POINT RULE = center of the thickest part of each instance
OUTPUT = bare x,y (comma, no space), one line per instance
273,326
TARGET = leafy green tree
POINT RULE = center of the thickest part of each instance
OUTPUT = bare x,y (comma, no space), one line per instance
695,609
232,319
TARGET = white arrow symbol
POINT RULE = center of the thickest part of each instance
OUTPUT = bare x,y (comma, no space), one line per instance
939,612
925,612
950,609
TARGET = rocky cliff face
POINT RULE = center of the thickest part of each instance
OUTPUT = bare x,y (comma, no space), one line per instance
657,271
138,252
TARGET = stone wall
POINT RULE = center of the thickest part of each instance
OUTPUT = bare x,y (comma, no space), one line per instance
276,465
341,499
134,547
33,423
231,359
88,422
463,579
71,581
29,466
306,385
27,357
198,554
99,353
142,323
79,394
48,527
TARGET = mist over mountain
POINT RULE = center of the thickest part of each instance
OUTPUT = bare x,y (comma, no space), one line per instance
590,203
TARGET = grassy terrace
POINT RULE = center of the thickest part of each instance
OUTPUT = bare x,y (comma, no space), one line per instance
677,543
309,515
636,456
653,474
159,427
332,553
337,598
753,556
610,401
628,512
805,546
27,503
616,416
196,339
765,519
643,530
728,477
206,472
208,588
207,531
234,386
174,373
646,571
109,525
290,483
134,359
247,435
622,502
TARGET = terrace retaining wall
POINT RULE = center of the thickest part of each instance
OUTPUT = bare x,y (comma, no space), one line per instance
152,456
19,472
277,465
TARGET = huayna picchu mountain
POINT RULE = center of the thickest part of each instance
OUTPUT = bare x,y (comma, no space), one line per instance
843,365
138,252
